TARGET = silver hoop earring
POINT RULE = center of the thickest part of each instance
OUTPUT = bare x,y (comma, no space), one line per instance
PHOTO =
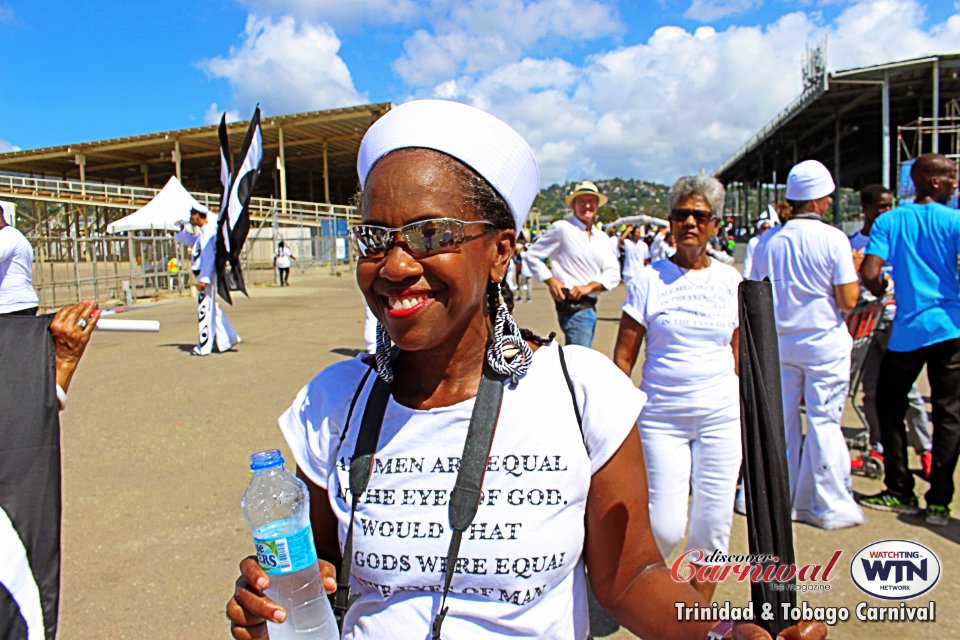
508,354
383,354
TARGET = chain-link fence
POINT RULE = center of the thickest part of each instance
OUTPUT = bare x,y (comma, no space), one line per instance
120,269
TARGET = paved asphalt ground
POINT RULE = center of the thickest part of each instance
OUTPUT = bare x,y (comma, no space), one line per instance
155,455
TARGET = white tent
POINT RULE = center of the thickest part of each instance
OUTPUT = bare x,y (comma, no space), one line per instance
639,219
165,212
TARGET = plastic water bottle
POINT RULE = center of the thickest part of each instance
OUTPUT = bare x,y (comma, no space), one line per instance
277,507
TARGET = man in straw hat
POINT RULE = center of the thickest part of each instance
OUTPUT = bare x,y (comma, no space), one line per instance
814,282
583,264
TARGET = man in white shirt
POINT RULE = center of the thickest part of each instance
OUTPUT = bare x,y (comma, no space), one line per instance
216,331
583,264
815,282
17,296
762,227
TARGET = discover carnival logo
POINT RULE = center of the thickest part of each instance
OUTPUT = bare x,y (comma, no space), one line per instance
895,569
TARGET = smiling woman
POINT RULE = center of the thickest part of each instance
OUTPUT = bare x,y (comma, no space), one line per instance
407,458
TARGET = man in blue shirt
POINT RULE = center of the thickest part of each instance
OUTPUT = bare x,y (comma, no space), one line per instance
922,241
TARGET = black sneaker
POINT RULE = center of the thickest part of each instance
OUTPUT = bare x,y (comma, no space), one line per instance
886,501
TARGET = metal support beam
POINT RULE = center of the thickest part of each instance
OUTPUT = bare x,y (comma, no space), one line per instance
836,171
885,132
176,158
936,105
81,161
282,166
326,175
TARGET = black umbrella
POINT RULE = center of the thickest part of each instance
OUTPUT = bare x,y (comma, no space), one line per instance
766,483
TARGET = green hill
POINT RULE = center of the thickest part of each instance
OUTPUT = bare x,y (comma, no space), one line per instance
627,198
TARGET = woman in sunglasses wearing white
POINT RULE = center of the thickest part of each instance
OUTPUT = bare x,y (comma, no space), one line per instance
686,309
446,188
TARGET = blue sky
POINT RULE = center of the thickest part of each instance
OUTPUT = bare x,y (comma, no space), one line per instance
600,88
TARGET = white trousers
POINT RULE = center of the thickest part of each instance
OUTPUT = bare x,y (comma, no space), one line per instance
216,331
819,465
696,456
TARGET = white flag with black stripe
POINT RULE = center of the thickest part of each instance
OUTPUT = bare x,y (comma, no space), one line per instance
234,221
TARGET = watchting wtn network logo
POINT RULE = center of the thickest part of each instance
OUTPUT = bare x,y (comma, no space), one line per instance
895,569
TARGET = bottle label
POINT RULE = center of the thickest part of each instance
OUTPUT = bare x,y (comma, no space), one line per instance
288,554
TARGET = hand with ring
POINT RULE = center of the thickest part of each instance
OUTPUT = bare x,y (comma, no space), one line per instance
71,328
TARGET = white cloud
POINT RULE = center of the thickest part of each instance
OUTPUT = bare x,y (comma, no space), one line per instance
479,35
348,14
683,101
710,10
213,114
7,147
286,65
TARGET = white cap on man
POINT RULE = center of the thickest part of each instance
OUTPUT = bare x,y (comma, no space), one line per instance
809,180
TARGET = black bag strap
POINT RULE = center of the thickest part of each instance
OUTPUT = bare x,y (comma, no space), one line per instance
465,497
361,466
573,396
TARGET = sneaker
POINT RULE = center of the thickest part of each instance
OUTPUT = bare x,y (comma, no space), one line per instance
856,464
886,501
926,464
937,515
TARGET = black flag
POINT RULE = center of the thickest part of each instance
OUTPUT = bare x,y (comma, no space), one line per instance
765,479
233,224
29,479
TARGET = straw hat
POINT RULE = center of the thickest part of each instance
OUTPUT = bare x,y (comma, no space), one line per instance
585,188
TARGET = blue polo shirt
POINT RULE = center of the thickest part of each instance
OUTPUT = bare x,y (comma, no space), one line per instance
922,241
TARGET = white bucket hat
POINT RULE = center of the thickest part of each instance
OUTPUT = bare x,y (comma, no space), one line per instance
481,141
809,180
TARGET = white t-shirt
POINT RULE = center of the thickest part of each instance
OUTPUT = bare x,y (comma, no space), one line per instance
689,317
748,255
575,257
16,272
283,257
635,254
615,245
522,557
804,260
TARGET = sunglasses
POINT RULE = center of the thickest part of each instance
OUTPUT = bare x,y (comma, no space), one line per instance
421,239
702,216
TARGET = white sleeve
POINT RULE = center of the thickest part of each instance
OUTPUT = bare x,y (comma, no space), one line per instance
748,257
312,424
540,250
7,248
185,237
635,305
609,269
208,260
609,402
844,272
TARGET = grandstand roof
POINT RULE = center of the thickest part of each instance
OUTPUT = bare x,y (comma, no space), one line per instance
149,159
807,127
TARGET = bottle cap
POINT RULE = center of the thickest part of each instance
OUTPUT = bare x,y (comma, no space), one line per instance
266,459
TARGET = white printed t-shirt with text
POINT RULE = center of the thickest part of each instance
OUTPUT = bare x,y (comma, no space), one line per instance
689,316
520,569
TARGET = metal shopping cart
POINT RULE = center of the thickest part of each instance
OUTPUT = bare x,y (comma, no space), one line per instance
863,322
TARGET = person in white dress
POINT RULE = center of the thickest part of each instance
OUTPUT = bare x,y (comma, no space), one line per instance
685,307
